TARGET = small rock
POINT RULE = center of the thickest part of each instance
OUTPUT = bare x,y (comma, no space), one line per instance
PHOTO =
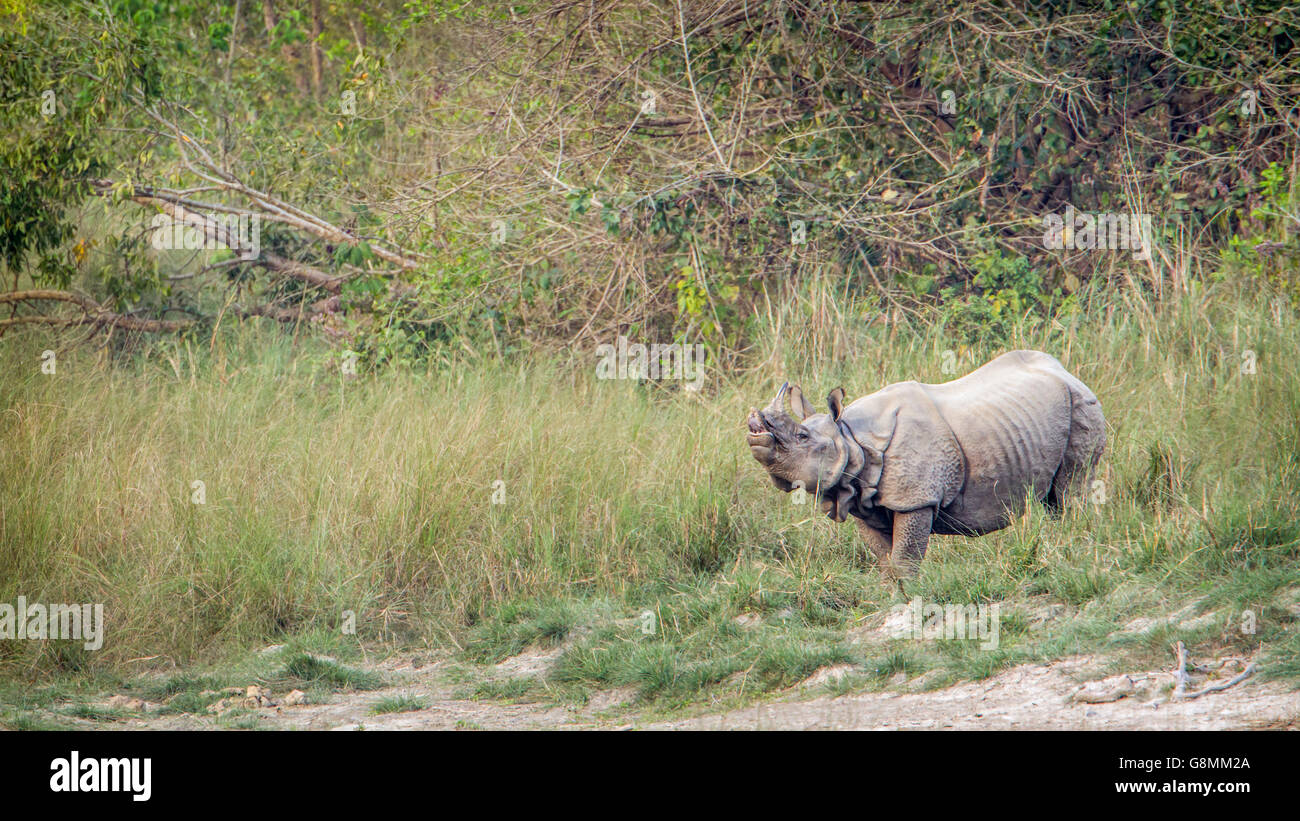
128,703
221,706
295,698
257,696
749,620
271,649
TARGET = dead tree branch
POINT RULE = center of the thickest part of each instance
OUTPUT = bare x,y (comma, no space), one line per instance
92,313
1184,679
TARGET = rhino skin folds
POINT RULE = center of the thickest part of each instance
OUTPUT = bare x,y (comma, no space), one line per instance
954,458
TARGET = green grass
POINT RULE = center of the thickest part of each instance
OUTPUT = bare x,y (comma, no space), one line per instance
518,625
368,503
240,719
32,722
304,670
92,713
515,688
191,702
398,704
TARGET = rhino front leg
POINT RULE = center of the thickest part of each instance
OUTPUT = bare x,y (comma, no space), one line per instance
878,543
911,536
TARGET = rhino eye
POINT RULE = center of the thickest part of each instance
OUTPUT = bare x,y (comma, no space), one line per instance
801,436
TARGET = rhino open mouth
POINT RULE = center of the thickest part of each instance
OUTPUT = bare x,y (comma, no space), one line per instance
759,433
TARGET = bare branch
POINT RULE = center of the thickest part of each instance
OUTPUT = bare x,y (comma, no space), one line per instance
92,313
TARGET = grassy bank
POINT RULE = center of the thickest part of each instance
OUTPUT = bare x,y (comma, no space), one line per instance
325,495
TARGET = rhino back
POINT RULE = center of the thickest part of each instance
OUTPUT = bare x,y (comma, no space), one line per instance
1012,420
974,447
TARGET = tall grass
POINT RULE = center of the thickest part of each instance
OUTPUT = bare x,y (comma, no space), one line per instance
375,495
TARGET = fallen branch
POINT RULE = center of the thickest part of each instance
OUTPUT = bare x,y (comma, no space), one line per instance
92,314
215,231
202,165
1183,678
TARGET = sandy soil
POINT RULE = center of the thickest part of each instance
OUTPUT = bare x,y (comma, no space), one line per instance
1029,697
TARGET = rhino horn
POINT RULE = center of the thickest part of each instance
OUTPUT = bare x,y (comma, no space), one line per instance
777,404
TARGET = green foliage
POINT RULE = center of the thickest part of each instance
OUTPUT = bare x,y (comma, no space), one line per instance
1006,294
1270,253
66,74
806,163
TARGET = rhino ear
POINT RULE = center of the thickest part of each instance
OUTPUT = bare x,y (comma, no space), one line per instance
836,402
799,404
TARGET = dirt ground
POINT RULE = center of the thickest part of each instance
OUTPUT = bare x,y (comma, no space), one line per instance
1029,697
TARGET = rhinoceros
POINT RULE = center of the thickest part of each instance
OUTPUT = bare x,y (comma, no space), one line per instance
958,458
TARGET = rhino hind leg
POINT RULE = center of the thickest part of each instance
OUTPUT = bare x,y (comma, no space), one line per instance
1054,501
1087,441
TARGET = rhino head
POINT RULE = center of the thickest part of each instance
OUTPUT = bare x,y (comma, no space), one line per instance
807,450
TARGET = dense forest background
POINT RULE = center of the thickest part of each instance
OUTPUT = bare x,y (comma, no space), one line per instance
438,178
